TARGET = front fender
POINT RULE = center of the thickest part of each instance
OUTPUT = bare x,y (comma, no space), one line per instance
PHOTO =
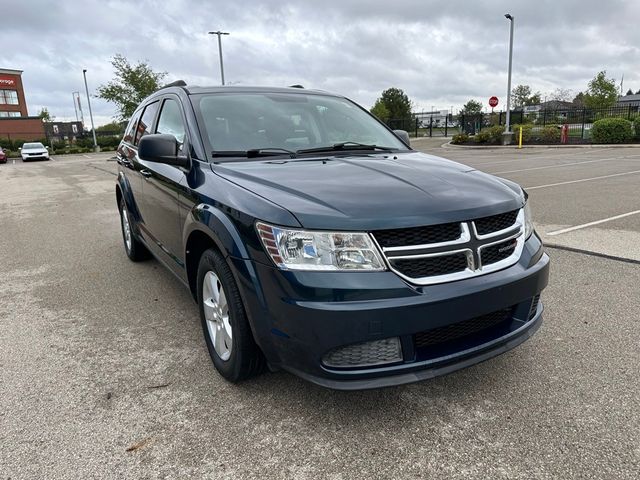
218,226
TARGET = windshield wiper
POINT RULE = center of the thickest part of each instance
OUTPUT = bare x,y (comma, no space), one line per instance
259,152
253,153
346,145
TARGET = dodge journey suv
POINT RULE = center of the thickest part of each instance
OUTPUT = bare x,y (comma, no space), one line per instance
315,240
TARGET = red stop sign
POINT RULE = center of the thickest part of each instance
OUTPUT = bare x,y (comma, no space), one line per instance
493,102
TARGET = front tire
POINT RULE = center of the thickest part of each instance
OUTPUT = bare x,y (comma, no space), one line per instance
134,249
226,328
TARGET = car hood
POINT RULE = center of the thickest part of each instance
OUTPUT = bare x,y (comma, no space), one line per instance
368,192
33,150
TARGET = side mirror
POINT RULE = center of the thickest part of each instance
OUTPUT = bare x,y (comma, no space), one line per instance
404,136
19,149
161,148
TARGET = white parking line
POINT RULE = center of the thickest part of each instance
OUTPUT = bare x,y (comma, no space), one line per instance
582,180
561,165
535,156
597,222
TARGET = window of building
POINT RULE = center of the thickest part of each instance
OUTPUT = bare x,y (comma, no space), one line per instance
9,97
15,114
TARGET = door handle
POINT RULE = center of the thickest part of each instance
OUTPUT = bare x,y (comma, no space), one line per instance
145,173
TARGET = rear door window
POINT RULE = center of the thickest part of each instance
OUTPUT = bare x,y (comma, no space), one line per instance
146,122
131,128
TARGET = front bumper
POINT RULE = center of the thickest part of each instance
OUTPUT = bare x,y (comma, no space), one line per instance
298,317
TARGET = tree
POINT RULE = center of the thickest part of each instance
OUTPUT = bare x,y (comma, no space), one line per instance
629,92
132,83
44,114
112,128
380,110
472,107
523,96
397,105
638,92
561,95
578,100
602,92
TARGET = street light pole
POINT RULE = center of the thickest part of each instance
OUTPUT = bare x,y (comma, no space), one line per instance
507,130
93,128
219,34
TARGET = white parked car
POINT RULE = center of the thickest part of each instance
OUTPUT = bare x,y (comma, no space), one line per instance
34,151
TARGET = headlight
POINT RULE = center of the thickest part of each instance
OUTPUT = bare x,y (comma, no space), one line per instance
528,221
314,250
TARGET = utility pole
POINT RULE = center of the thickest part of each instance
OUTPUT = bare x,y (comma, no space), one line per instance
507,130
93,128
219,34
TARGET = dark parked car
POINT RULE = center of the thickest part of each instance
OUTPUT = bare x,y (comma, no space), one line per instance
314,239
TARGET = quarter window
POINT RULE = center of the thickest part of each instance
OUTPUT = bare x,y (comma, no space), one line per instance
170,120
146,122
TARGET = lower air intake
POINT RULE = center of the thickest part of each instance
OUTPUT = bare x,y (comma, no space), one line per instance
367,354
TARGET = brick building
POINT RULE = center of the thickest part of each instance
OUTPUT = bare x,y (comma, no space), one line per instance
15,122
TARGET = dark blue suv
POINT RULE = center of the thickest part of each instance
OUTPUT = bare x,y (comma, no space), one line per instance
315,240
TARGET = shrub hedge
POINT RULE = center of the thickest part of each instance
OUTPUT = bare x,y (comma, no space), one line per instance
550,134
460,138
612,130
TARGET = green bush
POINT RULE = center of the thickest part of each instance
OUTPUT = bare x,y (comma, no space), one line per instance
612,130
74,150
636,126
460,138
86,142
550,134
61,145
108,141
483,136
527,130
495,133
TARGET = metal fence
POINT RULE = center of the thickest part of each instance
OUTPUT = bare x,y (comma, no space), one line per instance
577,121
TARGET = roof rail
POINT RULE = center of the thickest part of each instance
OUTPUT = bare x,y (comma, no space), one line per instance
296,86
177,83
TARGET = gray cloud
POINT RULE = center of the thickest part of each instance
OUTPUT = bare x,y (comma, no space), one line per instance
440,53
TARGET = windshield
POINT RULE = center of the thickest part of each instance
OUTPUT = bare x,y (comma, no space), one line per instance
239,122
32,145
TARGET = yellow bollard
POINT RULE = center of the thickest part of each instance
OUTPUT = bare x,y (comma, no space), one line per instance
520,139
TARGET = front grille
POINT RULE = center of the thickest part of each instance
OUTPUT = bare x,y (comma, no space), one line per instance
404,237
377,352
497,252
495,223
431,266
457,331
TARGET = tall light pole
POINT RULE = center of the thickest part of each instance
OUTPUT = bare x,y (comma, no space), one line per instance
219,34
507,129
93,128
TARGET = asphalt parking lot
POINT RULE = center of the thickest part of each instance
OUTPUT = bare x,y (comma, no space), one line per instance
104,372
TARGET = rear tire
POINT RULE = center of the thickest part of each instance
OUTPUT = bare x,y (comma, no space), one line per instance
226,329
134,249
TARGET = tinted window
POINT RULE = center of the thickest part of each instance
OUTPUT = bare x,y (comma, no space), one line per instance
170,120
131,128
146,122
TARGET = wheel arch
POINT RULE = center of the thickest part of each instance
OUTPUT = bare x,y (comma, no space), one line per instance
207,227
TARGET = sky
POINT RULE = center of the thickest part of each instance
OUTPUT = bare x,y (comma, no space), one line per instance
440,53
